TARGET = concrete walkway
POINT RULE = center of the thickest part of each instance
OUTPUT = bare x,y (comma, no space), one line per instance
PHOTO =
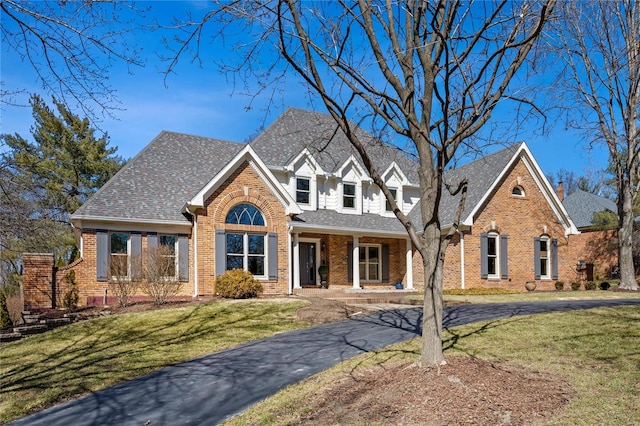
213,388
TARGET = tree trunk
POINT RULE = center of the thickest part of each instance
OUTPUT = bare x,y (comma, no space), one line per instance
431,353
625,238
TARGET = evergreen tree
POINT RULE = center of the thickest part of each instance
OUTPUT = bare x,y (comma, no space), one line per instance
47,179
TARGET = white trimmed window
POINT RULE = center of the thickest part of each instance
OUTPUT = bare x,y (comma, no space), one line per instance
349,195
303,190
169,255
494,258
394,192
119,254
544,258
493,242
246,250
370,263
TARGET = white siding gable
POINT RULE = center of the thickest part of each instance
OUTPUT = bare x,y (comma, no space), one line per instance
349,197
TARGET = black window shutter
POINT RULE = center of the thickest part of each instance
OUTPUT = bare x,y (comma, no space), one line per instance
385,262
484,263
102,255
273,256
221,252
350,262
554,258
536,258
183,257
504,257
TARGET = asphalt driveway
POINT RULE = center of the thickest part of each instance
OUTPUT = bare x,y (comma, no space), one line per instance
215,387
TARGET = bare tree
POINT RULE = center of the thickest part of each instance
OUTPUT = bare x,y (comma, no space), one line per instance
71,46
124,279
599,42
160,280
429,73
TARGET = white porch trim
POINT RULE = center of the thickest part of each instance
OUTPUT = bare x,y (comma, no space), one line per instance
296,261
355,263
409,265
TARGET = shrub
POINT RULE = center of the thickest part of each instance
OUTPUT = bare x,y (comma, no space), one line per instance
160,281
71,297
559,285
238,284
605,285
5,318
120,285
590,285
575,286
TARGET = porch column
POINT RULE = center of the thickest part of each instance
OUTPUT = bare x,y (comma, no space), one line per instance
409,263
296,261
356,262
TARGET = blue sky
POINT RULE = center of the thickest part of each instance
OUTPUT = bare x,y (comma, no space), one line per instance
201,101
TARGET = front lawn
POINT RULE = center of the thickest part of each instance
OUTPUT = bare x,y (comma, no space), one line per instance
594,351
40,371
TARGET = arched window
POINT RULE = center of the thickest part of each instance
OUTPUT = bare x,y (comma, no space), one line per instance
245,214
245,250
518,191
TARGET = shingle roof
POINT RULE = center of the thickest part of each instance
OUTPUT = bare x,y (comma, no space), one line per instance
481,174
156,184
365,221
582,205
298,129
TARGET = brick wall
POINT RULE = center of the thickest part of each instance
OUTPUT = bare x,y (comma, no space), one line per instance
597,247
336,246
38,276
93,292
245,185
521,219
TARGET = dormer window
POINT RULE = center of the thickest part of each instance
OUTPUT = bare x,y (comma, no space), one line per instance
517,191
349,195
303,190
394,192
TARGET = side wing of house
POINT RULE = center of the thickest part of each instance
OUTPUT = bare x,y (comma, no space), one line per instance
515,231
140,211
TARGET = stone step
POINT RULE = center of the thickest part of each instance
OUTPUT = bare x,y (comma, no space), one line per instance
29,318
55,322
9,337
30,329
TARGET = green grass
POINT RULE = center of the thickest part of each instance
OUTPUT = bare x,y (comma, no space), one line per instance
469,296
594,350
40,371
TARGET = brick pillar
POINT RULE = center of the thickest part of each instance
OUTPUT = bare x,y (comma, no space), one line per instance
37,278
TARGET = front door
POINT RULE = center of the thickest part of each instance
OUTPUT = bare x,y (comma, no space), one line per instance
307,264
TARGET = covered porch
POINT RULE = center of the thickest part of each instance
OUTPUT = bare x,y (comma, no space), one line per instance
349,263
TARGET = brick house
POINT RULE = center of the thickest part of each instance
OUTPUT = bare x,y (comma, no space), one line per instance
596,246
298,197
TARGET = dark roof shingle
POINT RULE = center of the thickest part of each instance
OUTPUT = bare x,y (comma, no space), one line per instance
581,207
298,129
156,183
